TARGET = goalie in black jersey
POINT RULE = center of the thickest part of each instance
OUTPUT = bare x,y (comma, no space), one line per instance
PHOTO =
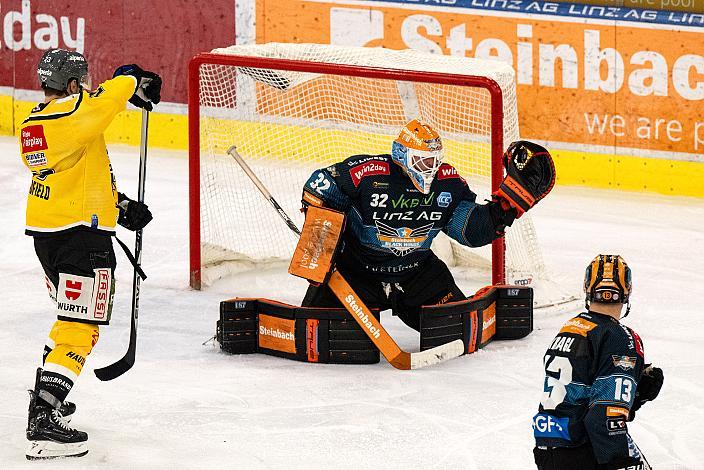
595,380
395,206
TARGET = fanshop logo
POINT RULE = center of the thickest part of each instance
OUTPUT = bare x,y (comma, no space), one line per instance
362,316
276,333
359,172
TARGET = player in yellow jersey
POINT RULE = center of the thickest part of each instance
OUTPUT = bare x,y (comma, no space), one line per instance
72,208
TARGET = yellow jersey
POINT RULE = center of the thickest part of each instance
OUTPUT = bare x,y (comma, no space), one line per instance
62,144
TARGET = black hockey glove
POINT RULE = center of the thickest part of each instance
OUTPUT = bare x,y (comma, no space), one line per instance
134,215
648,388
502,215
530,176
148,89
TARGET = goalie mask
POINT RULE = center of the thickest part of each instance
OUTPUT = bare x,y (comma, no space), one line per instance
608,280
58,67
418,149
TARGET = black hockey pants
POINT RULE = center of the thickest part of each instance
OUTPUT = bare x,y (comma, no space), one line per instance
431,284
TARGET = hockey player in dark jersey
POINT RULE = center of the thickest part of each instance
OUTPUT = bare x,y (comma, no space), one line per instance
395,206
595,380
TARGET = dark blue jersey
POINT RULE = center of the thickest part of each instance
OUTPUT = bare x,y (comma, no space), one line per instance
592,370
390,224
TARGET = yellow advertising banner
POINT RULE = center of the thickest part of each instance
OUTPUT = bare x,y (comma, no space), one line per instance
596,84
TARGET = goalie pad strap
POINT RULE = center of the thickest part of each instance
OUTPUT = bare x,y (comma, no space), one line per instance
497,312
325,335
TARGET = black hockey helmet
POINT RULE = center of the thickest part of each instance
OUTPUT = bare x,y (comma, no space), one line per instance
58,67
607,279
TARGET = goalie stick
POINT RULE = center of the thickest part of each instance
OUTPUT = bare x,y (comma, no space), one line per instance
118,368
397,357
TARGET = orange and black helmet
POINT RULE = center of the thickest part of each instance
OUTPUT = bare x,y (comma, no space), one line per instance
607,279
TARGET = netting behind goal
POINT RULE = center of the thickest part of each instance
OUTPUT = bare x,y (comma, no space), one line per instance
293,108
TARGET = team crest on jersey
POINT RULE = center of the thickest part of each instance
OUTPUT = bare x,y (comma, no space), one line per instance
624,362
401,241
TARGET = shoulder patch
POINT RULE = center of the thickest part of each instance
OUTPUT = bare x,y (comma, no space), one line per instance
447,171
578,326
359,172
639,343
624,362
33,139
310,199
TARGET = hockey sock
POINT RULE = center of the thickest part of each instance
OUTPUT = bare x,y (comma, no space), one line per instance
73,342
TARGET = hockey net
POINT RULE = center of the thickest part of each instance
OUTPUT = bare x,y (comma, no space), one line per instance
293,108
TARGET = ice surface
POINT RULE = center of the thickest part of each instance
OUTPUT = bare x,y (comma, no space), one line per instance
187,406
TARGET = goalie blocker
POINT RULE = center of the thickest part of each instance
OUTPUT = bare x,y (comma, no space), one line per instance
330,335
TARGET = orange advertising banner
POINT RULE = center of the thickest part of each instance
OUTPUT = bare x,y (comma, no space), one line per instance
597,84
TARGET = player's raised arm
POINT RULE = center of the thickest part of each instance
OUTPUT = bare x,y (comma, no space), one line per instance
530,176
129,83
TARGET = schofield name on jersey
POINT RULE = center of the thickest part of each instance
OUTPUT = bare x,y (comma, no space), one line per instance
39,190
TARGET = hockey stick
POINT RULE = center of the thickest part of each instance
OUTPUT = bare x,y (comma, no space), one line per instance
118,368
397,357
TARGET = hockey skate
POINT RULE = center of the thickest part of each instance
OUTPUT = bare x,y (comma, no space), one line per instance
49,434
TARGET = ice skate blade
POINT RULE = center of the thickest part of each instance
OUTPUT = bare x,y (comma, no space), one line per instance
42,450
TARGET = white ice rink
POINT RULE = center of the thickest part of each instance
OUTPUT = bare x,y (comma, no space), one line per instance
186,405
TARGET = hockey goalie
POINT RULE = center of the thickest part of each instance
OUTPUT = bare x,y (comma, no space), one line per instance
385,211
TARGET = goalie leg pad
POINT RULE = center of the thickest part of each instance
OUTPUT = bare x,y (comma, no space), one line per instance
514,312
325,335
496,312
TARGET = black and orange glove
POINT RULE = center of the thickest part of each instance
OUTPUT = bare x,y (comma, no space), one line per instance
530,176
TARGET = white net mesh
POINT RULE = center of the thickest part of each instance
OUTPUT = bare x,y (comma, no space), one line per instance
287,124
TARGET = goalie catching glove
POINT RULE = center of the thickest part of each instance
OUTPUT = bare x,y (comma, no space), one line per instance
530,176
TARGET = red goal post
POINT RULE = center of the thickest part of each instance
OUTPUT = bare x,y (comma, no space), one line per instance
497,144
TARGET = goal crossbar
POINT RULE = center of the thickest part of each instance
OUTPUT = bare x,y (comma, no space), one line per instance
324,68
